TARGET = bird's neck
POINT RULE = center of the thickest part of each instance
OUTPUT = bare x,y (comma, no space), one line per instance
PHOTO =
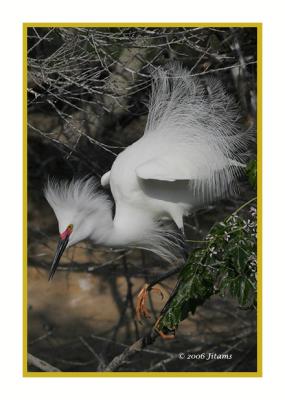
133,227
129,227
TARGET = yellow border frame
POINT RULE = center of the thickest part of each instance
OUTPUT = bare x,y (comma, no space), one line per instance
258,373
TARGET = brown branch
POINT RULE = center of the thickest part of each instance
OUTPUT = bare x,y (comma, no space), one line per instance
139,345
41,364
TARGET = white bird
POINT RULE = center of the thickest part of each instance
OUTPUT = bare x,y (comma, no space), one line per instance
190,154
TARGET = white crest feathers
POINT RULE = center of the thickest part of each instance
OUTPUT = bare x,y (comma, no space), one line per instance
69,199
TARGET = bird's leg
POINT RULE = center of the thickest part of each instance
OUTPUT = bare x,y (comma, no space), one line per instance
165,336
171,335
141,309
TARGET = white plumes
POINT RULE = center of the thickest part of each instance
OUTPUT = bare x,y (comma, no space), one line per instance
78,202
190,153
165,242
199,121
78,195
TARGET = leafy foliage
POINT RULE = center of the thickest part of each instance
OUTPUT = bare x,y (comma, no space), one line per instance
226,264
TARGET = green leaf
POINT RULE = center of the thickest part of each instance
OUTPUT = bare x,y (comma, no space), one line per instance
226,264
195,286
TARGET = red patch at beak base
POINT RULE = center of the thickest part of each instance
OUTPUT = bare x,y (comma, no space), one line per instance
65,234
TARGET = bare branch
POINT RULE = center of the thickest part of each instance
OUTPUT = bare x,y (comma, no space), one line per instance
139,345
41,364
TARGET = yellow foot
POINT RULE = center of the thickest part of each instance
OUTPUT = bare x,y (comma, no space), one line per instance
163,335
141,309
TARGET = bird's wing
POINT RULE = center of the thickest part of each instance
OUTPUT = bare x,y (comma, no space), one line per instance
105,179
161,169
193,133
168,168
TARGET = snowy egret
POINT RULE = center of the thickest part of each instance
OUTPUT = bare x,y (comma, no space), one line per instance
190,154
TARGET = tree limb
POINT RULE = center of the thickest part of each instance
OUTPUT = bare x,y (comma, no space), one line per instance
40,364
130,351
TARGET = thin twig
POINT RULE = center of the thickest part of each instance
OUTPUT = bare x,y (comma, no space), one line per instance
101,363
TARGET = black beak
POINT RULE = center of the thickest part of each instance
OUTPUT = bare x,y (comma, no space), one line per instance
62,243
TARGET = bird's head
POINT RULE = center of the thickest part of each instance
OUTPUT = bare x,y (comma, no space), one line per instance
77,206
